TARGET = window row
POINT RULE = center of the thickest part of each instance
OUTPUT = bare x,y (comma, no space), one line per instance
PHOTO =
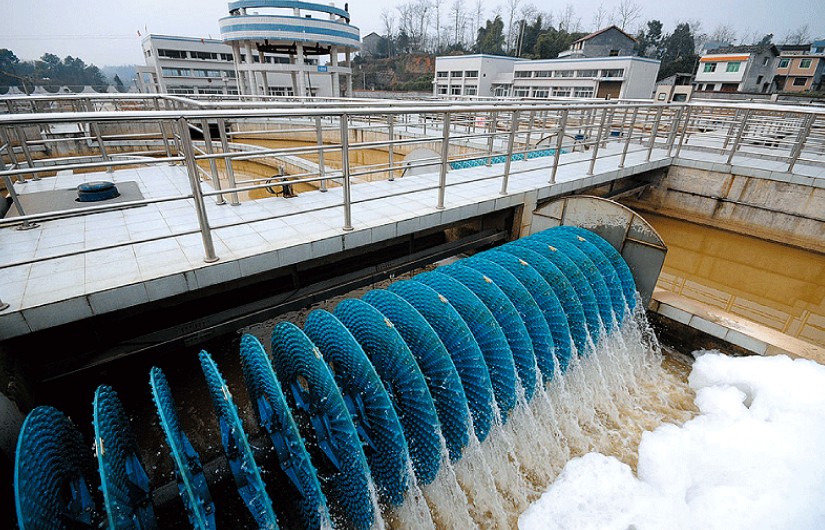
731,66
457,73
803,63
186,72
607,72
184,54
556,92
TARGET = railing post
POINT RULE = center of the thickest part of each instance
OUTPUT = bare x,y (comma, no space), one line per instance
445,153
21,137
684,131
197,195
491,139
674,124
319,139
391,134
739,136
4,137
629,136
799,145
14,199
730,129
559,140
230,170
529,129
511,140
653,133
597,144
345,172
164,138
213,167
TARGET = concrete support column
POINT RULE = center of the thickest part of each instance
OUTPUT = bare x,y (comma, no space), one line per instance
348,55
264,80
336,79
239,75
300,64
253,82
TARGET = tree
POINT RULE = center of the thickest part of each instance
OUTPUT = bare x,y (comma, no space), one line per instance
802,35
568,21
650,41
490,38
723,33
679,53
119,84
628,13
530,35
766,41
600,18
512,8
552,42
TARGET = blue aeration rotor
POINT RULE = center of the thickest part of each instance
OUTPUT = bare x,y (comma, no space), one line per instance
544,296
435,364
526,250
52,473
324,422
488,335
360,397
577,279
403,380
525,304
591,272
508,319
127,495
606,269
236,447
276,420
616,259
188,469
462,347
369,405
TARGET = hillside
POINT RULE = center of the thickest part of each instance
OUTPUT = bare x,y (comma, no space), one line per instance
408,72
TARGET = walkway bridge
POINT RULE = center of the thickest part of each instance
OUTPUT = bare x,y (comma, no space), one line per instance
185,238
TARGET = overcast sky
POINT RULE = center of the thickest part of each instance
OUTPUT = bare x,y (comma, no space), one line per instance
106,32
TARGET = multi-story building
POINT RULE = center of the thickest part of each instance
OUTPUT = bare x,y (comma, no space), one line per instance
599,77
607,42
268,52
800,67
675,88
472,75
737,69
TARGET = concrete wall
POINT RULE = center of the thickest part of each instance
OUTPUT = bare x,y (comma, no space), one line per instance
787,212
601,45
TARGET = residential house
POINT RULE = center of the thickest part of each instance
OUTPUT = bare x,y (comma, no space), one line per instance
607,42
737,69
800,67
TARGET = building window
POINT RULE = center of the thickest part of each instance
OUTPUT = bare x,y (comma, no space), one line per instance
522,92
561,92
471,73
204,55
805,63
210,91
661,96
226,57
765,61
441,74
783,63
582,92
229,73
564,73
501,91
523,73
540,92
613,53
207,73
148,53
442,89
172,54
544,73
280,91
800,81
470,91
176,72
587,73
455,73
759,79
733,67
182,90
617,72
455,90
679,97
710,67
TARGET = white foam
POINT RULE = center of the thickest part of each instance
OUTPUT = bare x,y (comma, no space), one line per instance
753,458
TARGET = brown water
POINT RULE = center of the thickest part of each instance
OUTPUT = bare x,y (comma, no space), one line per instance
778,286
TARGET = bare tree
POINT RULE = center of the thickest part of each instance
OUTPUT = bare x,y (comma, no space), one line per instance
388,21
512,9
628,12
723,33
802,35
568,20
600,18
459,21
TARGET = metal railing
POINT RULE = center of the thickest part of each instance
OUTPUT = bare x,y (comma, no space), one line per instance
211,139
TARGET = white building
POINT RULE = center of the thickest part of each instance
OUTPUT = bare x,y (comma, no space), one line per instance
737,69
471,75
283,48
598,77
